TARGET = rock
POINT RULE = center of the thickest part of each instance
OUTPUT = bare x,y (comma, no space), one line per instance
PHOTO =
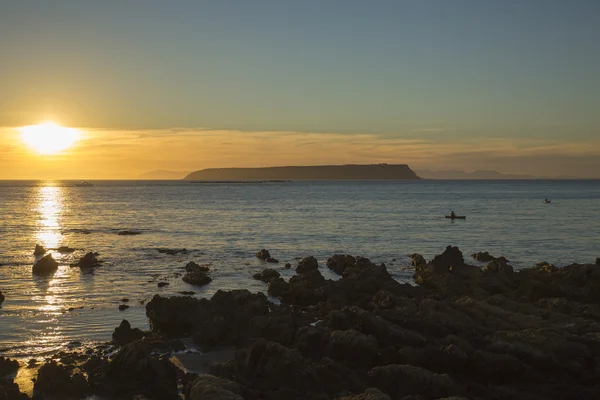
187,293
125,300
129,233
287,266
499,265
172,252
406,380
2,297
451,257
598,261
210,387
307,264
192,267
39,250
266,275
65,249
55,380
45,266
339,262
90,260
417,260
197,278
124,334
123,307
351,347
133,371
272,260
162,284
483,256
263,254
8,366
369,394
9,390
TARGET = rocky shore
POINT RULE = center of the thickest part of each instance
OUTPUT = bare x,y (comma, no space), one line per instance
461,332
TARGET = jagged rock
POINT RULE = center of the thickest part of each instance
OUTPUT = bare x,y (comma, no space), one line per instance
45,266
483,256
266,275
263,254
133,371
272,260
193,267
307,264
197,278
406,380
417,260
339,262
129,233
8,366
39,250
2,297
55,380
90,260
123,334
210,387
452,257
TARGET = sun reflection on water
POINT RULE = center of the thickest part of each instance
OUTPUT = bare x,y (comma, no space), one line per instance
50,207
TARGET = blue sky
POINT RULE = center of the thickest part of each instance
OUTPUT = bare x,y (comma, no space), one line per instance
458,69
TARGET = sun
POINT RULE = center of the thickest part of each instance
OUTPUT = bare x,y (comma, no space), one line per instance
48,137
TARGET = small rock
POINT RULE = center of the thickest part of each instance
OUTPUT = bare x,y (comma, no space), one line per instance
263,254
32,363
172,252
288,265
123,307
124,300
197,278
417,260
65,249
192,266
123,334
272,260
483,256
39,250
187,293
266,275
46,265
89,260
163,284
307,264
129,233
1,297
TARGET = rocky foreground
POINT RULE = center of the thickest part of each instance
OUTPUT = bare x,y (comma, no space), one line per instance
463,332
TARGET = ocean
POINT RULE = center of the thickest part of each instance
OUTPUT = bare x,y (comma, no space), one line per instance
225,224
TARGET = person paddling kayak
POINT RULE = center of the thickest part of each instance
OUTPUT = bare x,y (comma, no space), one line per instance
452,215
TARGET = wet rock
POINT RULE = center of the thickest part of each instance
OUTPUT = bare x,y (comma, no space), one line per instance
483,256
339,262
369,394
124,334
266,275
45,266
90,260
197,278
263,254
2,297
9,390
499,265
193,267
351,347
55,380
8,366
162,284
307,264
133,371
452,257
172,252
417,260
210,387
406,380
272,260
287,266
598,261
65,249
125,300
123,307
187,293
39,250
129,233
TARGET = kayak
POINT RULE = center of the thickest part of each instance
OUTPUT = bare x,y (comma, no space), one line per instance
457,217
547,201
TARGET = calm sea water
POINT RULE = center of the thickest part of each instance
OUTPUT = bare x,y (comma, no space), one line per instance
225,224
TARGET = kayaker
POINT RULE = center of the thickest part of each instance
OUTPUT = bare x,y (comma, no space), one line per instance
452,215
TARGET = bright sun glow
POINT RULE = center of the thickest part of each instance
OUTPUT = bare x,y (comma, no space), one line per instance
48,137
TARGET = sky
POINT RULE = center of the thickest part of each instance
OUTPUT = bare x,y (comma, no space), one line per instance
511,85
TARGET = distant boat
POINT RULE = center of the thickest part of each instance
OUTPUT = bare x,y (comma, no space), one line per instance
456,216
547,201
84,184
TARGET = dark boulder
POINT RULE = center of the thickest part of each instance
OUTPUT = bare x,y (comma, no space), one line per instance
2,297
307,264
54,380
339,262
288,265
263,254
45,266
124,334
90,260
192,267
417,260
483,256
162,284
8,366
499,265
39,250
272,260
197,278
123,307
266,275
133,371
210,387
9,390
129,233
452,257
